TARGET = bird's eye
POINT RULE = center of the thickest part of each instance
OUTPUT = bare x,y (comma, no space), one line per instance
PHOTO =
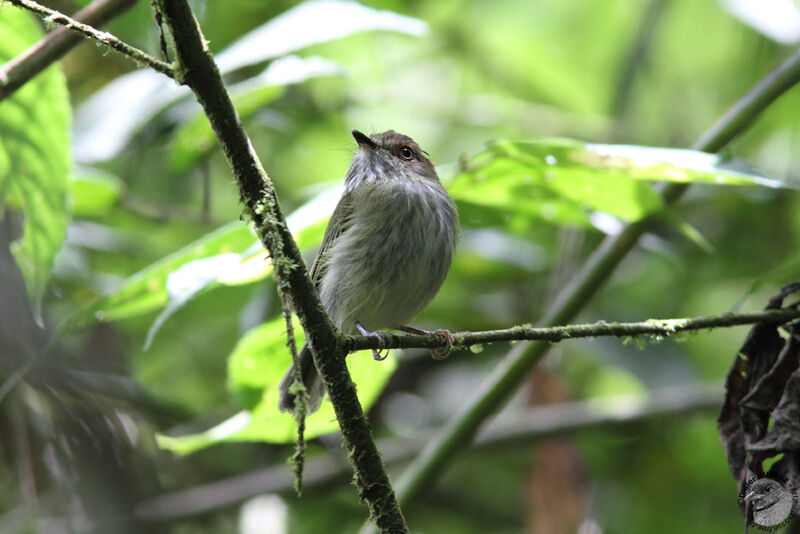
406,153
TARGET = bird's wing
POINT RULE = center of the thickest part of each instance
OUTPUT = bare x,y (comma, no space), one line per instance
339,223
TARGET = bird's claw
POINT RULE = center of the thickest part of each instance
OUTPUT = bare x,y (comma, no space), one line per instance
381,337
449,340
436,354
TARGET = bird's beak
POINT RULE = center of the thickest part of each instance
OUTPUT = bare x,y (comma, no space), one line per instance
364,141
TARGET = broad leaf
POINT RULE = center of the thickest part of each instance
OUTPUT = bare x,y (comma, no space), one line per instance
230,255
147,290
563,181
254,370
34,156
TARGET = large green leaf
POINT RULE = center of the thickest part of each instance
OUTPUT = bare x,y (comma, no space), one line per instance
255,368
147,290
562,181
34,156
230,255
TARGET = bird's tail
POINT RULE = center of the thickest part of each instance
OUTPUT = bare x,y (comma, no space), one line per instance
311,380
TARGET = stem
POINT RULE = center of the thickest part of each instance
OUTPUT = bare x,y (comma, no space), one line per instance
652,327
54,17
197,70
513,369
746,109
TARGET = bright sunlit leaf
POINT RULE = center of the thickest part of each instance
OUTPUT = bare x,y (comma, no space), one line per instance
34,157
564,181
668,164
255,367
230,255
147,290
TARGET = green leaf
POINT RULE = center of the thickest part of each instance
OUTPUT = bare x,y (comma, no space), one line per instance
94,192
34,157
255,367
197,276
671,165
561,181
147,290
252,366
230,255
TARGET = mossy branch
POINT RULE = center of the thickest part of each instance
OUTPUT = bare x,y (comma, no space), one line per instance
656,328
197,69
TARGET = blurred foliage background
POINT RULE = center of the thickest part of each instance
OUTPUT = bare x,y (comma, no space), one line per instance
150,193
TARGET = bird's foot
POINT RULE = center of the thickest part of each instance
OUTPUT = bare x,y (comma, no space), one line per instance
380,336
436,354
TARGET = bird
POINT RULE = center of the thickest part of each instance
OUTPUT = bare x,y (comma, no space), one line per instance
769,501
386,251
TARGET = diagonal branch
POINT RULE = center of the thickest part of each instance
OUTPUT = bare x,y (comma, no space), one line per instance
56,44
52,16
652,327
508,374
198,71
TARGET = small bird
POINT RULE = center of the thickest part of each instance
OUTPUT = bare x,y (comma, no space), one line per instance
386,251
769,502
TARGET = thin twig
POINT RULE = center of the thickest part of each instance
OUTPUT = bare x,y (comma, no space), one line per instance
525,429
15,73
54,17
653,327
162,38
298,459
